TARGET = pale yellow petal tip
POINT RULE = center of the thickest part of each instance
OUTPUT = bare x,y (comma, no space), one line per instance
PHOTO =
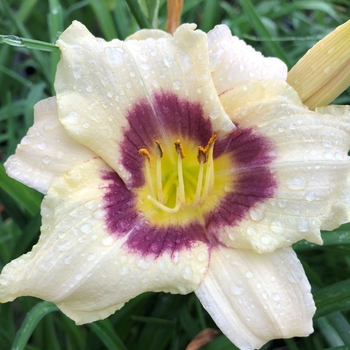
323,73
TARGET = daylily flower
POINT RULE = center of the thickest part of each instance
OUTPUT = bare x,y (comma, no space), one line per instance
179,163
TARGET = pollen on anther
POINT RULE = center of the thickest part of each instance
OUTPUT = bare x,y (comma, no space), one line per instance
210,143
179,149
145,153
202,156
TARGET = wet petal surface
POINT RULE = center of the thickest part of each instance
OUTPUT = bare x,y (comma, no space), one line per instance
257,297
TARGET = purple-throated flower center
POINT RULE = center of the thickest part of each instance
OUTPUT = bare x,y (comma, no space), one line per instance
168,205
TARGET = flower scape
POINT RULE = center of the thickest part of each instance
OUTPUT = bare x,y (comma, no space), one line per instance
179,163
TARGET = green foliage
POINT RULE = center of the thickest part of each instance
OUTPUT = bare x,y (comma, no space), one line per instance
151,321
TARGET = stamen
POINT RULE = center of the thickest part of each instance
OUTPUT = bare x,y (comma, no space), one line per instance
159,149
179,149
210,143
164,207
146,154
201,155
159,152
180,156
209,175
202,158
203,184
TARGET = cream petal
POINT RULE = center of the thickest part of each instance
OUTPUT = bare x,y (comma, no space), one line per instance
232,61
47,151
144,34
104,87
310,165
254,298
82,267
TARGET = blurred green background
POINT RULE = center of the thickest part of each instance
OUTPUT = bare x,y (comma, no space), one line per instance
282,28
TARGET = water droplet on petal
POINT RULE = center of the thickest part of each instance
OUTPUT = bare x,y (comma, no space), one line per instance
85,228
265,295
256,214
42,145
249,274
296,183
265,239
46,160
107,240
168,61
90,257
187,273
276,296
236,290
72,118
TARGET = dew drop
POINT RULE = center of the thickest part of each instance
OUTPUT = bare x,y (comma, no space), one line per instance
276,296
79,276
115,56
144,264
256,214
107,241
249,274
90,257
168,61
202,257
296,183
42,145
303,225
124,270
251,231
310,196
77,72
85,228
265,239
68,259
72,118
46,160
214,113
177,85
187,273
236,290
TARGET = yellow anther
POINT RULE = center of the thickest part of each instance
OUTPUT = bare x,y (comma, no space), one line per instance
159,149
179,149
145,153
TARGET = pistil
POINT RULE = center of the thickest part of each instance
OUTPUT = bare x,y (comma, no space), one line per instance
181,187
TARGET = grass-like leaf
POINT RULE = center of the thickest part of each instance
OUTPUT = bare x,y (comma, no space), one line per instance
33,317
